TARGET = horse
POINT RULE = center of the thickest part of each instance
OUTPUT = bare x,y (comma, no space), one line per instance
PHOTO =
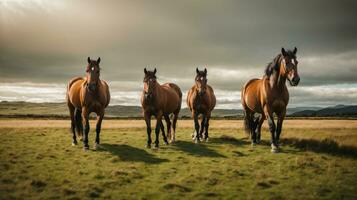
201,100
160,101
270,95
85,95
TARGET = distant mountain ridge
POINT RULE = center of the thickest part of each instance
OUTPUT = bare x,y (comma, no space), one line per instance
26,109
335,111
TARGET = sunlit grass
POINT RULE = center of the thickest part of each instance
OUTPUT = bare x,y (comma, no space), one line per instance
314,163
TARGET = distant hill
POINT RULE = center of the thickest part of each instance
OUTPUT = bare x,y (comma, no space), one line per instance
335,111
60,110
26,109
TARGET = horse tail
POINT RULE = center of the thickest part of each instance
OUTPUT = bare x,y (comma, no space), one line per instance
78,122
247,116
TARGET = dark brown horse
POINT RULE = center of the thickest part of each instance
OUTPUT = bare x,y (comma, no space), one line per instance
270,95
160,101
201,100
86,95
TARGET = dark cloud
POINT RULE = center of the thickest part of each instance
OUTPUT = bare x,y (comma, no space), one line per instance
49,41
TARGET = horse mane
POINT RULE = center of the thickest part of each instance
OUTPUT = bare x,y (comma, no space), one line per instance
274,65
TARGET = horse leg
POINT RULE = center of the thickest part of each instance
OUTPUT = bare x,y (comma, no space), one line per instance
100,116
206,126
85,117
174,122
168,124
73,124
157,129
279,124
79,125
202,128
163,132
197,127
270,118
258,128
147,118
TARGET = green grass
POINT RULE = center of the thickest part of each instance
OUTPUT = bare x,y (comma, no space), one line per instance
41,164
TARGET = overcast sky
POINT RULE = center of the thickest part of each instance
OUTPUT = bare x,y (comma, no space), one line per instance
43,44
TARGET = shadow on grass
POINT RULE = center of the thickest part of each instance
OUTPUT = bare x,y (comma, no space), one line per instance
129,153
197,149
224,139
321,146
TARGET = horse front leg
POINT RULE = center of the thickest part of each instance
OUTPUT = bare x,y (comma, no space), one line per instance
279,126
157,129
202,128
197,127
85,118
147,118
270,118
100,116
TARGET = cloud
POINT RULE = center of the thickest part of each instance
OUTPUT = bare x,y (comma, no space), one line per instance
49,41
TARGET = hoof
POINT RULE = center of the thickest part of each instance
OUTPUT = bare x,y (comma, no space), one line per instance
258,141
196,140
74,143
206,139
253,144
156,146
86,148
167,143
274,149
172,141
148,146
96,146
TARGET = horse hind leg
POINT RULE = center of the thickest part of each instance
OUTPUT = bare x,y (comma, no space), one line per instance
258,128
73,124
168,124
78,123
163,133
174,123
206,124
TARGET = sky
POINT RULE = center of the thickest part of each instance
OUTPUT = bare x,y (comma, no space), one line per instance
43,44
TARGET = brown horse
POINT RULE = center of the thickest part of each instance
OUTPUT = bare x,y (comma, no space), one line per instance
160,101
270,95
201,100
86,95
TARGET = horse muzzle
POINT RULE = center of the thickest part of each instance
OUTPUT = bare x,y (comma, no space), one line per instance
295,81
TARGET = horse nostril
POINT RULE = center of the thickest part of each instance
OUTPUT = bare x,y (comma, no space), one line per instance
296,80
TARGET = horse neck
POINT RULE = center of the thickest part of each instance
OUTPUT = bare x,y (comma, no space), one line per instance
155,94
278,79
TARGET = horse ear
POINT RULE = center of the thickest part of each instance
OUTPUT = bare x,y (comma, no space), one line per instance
98,61
295,50
155,70
145,71
197,71
283,51
205,71
88,60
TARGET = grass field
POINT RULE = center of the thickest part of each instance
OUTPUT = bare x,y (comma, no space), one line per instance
318,161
